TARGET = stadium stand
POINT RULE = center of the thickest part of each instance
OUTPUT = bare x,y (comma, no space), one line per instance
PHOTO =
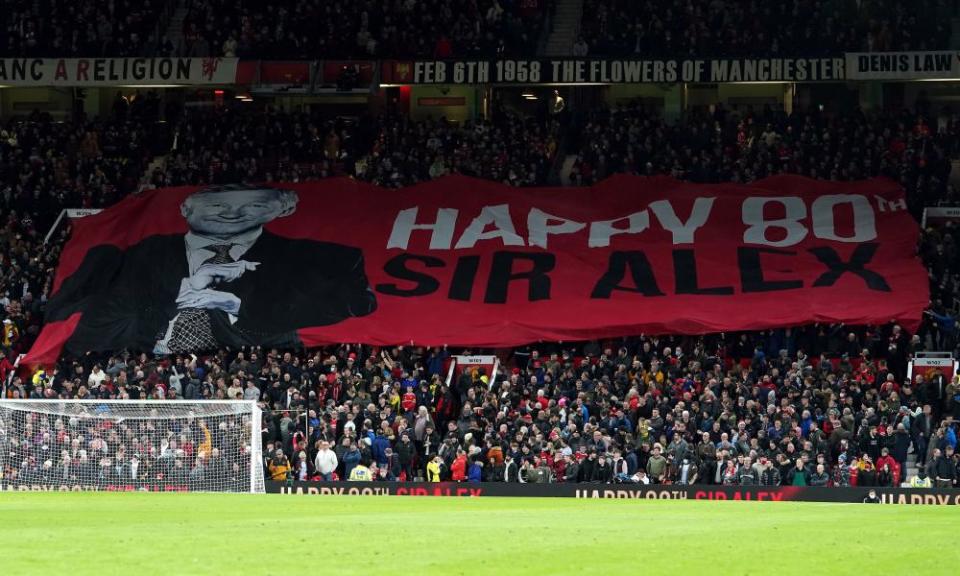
723,409
727,146
338,29
60,28
478,28
747,27
813,405
391,151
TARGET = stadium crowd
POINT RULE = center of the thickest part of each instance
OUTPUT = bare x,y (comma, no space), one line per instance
748,409
363,28
279,30
472,29
235,145
772,27
721,146
68,28
823,404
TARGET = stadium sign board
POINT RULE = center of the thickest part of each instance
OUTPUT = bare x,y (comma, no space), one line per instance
887,495
116,71
604,71
903,65
937,216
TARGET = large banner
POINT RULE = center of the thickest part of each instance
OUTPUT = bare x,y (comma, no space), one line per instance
902,65
470,262
116,71
923,496
596,71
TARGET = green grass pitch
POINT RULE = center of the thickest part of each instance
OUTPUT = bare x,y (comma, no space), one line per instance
140,534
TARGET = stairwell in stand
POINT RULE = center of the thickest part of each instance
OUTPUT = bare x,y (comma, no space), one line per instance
175,29
566,26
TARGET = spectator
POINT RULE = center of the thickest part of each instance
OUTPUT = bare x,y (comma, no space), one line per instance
279,467
325,462
657,465
434,468
798,476
362,473
820,477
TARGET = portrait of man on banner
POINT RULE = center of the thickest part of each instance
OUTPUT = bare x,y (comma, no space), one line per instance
226,282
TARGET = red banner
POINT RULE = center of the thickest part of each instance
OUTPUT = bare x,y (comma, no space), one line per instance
475,263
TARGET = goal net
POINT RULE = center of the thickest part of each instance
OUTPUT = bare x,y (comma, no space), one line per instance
209,446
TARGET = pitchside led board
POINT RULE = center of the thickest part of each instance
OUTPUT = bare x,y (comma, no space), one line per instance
469,262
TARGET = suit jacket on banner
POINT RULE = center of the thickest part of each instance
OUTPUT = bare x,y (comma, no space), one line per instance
128,297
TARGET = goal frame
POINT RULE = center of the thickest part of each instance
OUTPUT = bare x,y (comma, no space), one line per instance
256,417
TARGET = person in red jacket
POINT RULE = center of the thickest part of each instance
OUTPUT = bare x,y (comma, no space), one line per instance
888,460
409,402
458,470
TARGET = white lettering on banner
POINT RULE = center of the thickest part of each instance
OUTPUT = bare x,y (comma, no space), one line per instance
601,232
441,229
890,206
611,71
777,70
758,225
788,229
633,494
429,72
682,232
540,225
864,225
471,72
822,212
922,499
499,216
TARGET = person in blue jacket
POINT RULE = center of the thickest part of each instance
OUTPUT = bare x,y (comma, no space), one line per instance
475,473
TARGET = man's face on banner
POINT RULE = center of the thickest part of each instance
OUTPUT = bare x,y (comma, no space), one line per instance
228,213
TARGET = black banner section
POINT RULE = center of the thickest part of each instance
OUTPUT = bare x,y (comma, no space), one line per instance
938,497
593,71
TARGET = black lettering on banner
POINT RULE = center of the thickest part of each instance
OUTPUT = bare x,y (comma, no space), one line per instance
36,71
501,274
397,267
641,272
165,68
19,69
139,68
183,69
861,256
751,271
461,286
685,271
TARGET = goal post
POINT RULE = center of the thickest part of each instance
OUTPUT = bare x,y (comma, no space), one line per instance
131,445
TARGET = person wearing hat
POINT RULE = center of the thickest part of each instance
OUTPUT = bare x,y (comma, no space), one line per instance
361,473
920,479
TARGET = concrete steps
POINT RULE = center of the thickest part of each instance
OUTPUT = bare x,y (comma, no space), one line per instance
566,26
